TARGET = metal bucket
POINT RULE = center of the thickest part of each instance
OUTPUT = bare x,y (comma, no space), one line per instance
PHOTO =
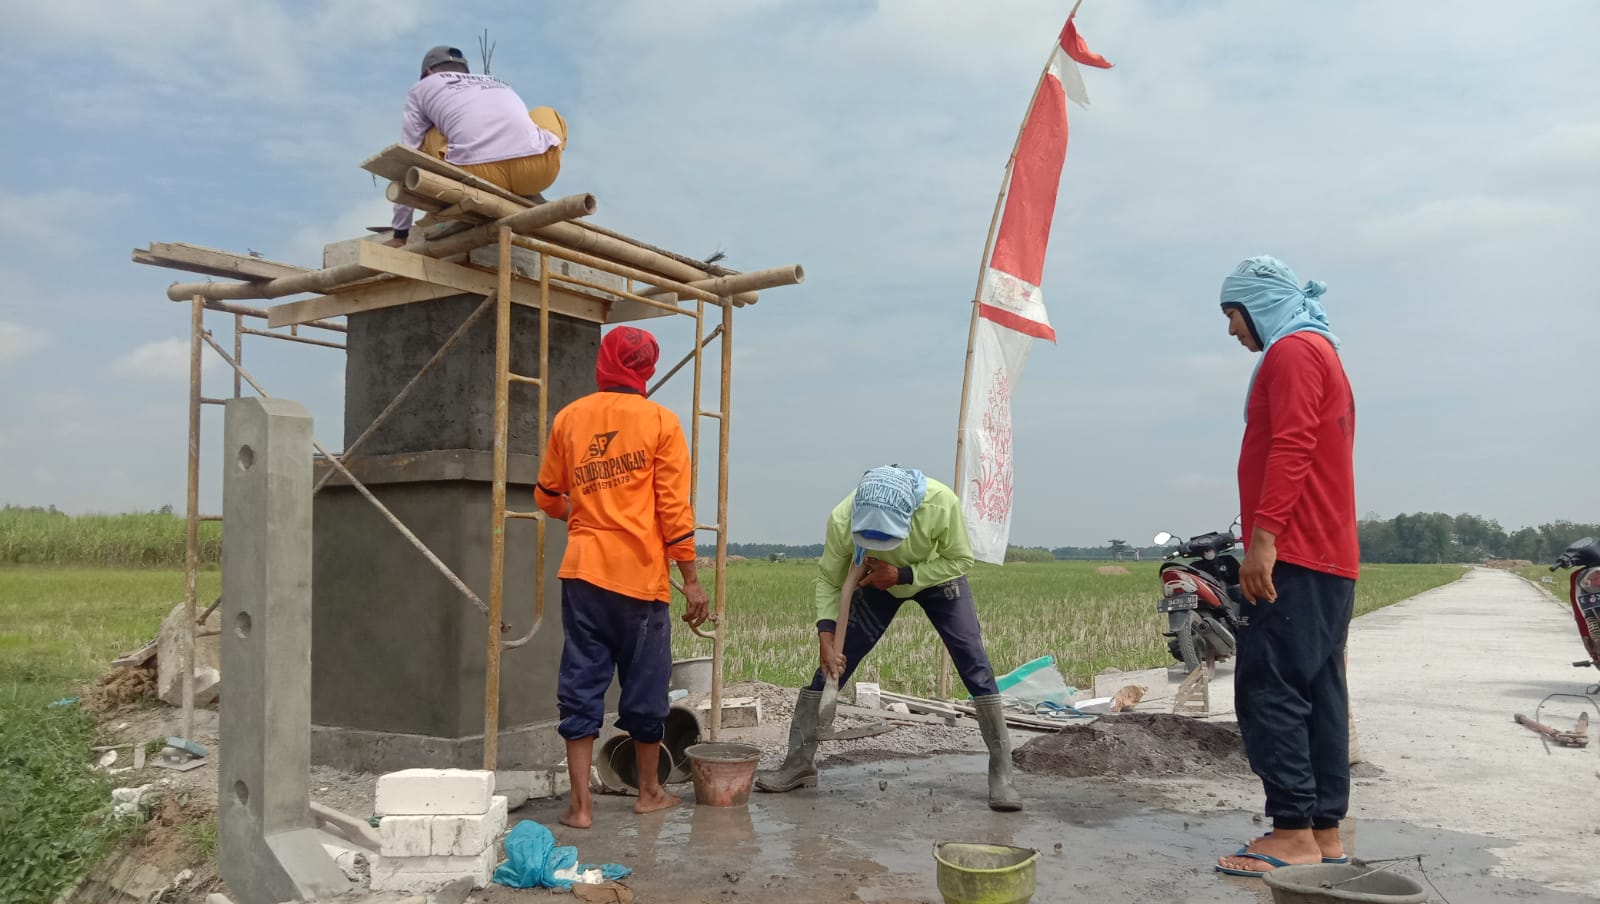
683,732
1342,883
618,764
976,873
723,773
692,675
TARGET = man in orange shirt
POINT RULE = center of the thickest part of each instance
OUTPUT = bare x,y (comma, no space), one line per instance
617,471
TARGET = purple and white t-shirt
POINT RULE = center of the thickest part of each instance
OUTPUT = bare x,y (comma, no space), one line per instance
483,118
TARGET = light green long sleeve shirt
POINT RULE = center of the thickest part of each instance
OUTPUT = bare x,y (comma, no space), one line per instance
937,550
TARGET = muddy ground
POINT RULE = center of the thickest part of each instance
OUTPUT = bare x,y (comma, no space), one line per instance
1136,807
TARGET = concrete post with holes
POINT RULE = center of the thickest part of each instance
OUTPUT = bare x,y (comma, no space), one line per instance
267,846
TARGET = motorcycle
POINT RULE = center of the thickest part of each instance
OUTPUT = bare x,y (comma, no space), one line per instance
1583,557
1201,597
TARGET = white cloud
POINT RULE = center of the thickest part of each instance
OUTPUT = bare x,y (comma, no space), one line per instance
305,245
51,220
17,341
163,359
1459,220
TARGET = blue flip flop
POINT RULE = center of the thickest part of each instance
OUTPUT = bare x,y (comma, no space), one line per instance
1340,860
1268,859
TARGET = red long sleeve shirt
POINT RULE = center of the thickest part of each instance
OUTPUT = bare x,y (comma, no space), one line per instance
1296,466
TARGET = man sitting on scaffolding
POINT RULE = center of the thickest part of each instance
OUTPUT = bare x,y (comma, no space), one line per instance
480,124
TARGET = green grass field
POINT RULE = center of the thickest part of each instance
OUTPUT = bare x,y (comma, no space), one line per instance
1087,620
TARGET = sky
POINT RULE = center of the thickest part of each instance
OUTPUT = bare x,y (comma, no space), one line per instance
1439,171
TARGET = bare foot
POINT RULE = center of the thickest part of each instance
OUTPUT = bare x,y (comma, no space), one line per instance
1293,847
577,818
650,802
1330,842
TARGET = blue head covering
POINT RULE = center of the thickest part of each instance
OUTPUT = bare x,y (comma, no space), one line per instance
885,500
1274,304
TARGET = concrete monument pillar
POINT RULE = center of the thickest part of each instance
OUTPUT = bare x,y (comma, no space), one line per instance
398,659
267,847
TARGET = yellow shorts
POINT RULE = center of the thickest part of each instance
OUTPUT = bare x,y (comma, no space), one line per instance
520,175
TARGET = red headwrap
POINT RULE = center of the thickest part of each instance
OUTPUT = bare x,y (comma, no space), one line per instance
627,359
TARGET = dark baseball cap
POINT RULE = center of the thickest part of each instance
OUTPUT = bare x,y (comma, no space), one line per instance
441,55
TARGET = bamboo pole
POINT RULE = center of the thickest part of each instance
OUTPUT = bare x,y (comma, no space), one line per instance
544,429
562,252
261,314
723,424
191,527
694,409
304,340
569,235
972,326
755,280
497,552
238,351
398,193
527,219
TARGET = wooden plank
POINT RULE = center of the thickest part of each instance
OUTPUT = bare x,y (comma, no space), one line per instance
425,279
211,262
394,161
920,704
856,734
1034,722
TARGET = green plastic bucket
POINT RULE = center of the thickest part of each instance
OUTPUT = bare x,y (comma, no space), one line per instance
975,873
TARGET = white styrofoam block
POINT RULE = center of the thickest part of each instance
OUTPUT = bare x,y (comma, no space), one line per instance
426,873
406,836
457,836
435,792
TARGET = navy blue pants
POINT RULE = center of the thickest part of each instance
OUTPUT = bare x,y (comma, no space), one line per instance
948,606
1290,695
608,631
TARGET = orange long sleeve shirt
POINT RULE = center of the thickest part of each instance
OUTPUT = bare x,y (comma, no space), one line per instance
622,462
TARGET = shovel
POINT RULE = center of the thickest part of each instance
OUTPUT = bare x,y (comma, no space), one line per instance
830,688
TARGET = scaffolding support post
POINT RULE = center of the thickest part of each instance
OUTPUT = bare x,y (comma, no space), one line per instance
191,527
723,422
497,536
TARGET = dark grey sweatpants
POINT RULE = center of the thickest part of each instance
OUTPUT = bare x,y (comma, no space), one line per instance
1291,699
949,607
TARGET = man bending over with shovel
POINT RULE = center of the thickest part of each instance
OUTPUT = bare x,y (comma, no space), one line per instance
918,539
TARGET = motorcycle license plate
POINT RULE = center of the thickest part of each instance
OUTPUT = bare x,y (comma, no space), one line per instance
1179,602
1589,602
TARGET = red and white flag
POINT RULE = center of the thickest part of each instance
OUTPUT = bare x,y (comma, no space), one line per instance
1010,302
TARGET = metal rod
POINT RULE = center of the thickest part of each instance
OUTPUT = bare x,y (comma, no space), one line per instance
715,332
290,338
238,351
497,552
191,526
717,643
544,429
396,523
209,609
444,349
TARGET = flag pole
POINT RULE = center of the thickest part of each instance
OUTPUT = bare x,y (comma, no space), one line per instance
972,325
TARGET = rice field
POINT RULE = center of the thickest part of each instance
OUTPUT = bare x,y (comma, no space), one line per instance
1087,620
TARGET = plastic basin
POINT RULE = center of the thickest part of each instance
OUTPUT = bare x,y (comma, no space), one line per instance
1342,883
723,773
978,873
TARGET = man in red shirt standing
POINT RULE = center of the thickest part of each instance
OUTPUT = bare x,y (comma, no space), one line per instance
1302,558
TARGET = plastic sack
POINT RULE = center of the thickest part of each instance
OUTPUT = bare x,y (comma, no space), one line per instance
1036,681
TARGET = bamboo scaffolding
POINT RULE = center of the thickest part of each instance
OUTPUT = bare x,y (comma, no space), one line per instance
327,279
569,235
497,537
191,531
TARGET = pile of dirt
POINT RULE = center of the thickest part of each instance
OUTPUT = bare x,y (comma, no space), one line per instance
1110,570
120,689
1136,744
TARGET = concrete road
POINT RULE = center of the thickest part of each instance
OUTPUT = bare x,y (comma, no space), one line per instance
1434,684
1447,775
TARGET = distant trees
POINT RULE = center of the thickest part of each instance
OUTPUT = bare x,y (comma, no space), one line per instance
1118,548
1437,537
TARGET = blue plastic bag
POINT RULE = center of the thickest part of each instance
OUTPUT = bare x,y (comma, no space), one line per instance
532,858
